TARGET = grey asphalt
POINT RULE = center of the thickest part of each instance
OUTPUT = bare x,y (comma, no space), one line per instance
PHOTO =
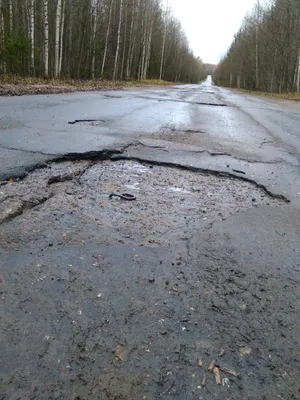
259,135
107,299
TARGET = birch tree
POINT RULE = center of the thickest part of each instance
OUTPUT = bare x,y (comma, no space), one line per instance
2,65
57,36
32,4
162,59
107,37
46,39
264,54
61,38
118,42
10,10
84,39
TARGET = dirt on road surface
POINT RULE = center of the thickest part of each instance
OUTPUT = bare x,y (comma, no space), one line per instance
159,297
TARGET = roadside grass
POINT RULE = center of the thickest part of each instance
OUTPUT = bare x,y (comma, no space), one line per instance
284,96
10,79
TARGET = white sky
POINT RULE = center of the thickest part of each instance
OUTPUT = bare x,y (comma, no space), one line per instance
211,24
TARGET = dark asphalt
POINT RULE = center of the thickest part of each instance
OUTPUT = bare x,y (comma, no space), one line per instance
110,299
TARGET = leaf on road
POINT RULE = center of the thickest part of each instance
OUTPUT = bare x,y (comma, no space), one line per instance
174,290
120,353
200,363
203,383
216,371
211,366
230,372
245,350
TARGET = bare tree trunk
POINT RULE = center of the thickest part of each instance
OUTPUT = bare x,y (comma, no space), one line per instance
2,36
32,3
10,6
148,48
118,42
163,51
107,37
61,47
46,39
130,41
142,57
135,34
124,46
57,32
298,75
94,24
256,47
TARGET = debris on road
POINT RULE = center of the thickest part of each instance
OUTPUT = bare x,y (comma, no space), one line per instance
245,350
237,171
174,291
228,371
211,366
124,196
217,374
120,353
200,363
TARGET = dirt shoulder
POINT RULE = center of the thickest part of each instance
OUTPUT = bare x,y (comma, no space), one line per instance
12,86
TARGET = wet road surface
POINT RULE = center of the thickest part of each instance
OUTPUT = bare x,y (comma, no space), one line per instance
191,291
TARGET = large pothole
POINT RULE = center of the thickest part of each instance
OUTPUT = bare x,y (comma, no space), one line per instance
68,203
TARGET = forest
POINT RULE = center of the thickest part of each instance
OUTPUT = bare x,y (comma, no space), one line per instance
95,39
265,53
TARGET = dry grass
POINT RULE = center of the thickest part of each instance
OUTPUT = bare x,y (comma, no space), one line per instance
21,80
285,96
14,85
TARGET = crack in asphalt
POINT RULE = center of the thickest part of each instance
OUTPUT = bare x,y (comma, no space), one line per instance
185,101
25,151
77,121
22,206
185,130
214,154
115,155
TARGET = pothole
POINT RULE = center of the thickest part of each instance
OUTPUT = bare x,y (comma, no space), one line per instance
170,203
92,122
212,104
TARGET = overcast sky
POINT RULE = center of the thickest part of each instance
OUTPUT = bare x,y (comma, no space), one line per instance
211,24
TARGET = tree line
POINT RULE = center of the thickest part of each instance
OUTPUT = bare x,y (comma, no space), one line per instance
95,39
265,53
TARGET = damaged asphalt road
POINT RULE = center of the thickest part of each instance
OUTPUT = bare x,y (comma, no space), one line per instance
191,291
